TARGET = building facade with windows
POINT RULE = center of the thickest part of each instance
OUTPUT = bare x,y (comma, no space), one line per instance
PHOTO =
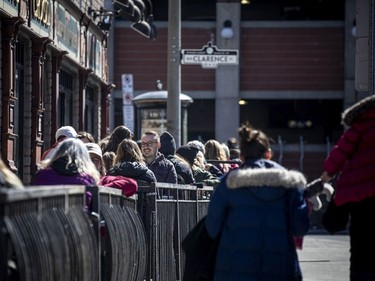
54,72
294,77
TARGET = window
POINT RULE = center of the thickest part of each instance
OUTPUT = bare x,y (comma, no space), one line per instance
65,102
90,110
198,10
291,119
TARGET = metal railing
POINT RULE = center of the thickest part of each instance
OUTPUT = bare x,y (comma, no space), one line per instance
52,233
46,235
301,149
169,212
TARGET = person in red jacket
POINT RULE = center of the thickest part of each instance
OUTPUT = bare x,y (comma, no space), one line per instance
353,161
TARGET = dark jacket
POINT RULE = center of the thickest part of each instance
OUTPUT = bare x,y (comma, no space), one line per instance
257,209
134,170
200,254
163,169
183,170
168,149
205,177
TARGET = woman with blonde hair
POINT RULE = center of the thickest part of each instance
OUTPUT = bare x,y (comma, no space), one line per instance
8,178
70,164
215,151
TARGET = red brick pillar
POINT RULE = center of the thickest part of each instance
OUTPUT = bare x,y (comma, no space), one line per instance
39,46
10,28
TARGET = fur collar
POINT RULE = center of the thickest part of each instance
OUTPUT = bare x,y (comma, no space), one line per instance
352,113
265,177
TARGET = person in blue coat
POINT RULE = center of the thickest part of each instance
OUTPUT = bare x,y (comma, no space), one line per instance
256,210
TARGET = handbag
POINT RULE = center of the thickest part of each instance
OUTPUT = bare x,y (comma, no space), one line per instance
335,218
200,252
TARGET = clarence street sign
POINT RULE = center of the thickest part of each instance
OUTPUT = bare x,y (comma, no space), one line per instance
209,56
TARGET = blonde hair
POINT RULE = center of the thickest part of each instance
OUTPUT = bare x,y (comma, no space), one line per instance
128,150
214,150
200,160
75,151
8,178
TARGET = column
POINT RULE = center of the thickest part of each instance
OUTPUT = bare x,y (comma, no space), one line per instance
227,115
10,28
39,47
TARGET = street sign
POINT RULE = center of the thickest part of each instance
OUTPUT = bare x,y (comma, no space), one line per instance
127,100
209,56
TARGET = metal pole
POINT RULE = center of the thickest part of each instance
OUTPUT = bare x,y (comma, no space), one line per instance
174,71
110,49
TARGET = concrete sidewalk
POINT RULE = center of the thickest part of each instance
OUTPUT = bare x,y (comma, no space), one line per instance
325,257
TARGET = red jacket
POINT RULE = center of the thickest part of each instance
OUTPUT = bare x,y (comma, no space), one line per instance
354,154
127,185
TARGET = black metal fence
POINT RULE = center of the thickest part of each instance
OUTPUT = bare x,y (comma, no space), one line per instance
52,233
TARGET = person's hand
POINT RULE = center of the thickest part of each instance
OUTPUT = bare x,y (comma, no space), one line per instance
207,166
314,189
325,177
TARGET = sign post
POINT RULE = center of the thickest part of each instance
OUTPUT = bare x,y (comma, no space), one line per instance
209,56
127,101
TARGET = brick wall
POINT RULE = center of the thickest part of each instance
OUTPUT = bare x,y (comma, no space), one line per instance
270,59
292,59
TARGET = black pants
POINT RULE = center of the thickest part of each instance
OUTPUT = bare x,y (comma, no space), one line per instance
361,276
362,240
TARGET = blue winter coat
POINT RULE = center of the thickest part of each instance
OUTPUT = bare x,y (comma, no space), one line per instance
257,209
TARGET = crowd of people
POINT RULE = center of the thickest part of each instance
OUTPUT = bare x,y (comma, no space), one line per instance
258,206
76,158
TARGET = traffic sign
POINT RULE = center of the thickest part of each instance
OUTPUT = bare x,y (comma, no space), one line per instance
209,56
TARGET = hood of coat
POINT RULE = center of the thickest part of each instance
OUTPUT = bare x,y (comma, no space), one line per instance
167,144
249,177
62,167
350,115
128,169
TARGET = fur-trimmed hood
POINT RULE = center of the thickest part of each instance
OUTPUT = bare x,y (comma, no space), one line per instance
265,177
350,115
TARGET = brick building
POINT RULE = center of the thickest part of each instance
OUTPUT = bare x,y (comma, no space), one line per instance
54,72
295,73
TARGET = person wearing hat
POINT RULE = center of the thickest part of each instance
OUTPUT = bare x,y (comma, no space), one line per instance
168,149
96,157
61,134
190,154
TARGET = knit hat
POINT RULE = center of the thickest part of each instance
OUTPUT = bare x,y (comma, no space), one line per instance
189,152
67,131
94,148
168,144
198,144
